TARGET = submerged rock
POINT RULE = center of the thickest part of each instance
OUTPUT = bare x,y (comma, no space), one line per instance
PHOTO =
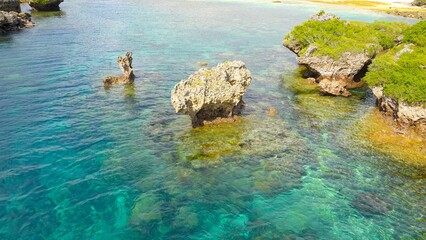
13,21
401,112
125,64
10,5
214,93
370,204
45,5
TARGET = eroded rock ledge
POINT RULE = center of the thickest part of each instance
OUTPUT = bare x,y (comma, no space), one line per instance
13,21
402,112
210,94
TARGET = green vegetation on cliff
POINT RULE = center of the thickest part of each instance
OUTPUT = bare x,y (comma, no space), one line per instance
402,73
334,37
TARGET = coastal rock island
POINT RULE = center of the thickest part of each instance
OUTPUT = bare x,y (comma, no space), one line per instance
213,93
45,5
337,52
128,76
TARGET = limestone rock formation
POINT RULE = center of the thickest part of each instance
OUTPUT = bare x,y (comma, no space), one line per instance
337,75
13,21
45,5
212,93
401,112
323,16
10,5
125,64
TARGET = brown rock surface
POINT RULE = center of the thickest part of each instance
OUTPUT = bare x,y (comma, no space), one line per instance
128,76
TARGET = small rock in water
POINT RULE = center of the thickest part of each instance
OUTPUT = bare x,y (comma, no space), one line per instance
214,93
125,64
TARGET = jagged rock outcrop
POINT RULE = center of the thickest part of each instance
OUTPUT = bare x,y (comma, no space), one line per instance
334,75
10,5
128,76
401,112
212,93
13,21
45,5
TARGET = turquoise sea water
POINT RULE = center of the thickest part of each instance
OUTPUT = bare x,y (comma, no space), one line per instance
81,162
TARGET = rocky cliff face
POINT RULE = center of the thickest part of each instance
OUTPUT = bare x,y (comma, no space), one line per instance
212,93
125,64
10,5
13,21
45,5
401,112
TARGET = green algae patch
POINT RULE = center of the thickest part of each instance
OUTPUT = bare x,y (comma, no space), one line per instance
334,37
402,70
209,145
206,145
378,130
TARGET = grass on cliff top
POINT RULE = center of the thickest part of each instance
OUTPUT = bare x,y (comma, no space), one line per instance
403,78
334,37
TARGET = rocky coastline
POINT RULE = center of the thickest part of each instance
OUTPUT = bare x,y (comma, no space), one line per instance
338,70
404,114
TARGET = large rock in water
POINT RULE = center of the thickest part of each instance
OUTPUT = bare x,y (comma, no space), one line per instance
13,21
45,5
10,5
212,93
125,64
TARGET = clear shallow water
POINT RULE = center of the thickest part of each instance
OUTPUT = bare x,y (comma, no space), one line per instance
80,162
